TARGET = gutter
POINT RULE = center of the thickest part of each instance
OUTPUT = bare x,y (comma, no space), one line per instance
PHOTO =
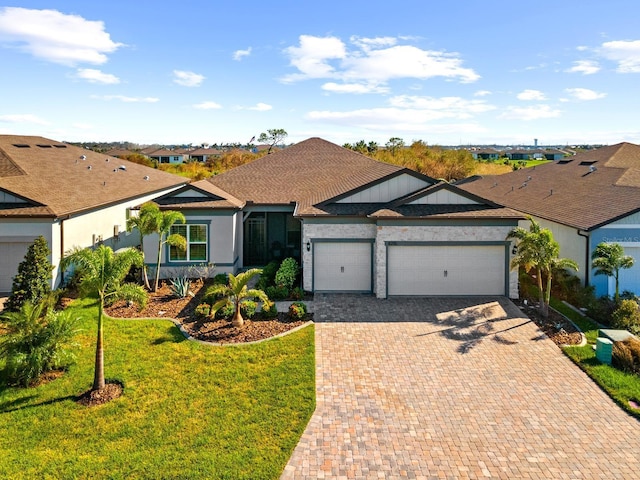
587,268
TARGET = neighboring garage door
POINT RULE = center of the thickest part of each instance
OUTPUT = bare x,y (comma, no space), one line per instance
446,269
11,254
342,266
628,278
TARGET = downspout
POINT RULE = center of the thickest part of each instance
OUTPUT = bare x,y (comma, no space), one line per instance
587,268
60,272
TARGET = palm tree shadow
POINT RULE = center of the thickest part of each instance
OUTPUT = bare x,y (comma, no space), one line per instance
19,404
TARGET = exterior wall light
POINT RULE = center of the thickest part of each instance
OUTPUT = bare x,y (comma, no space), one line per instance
308,245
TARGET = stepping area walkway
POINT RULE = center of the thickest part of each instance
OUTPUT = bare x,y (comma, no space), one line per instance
448,388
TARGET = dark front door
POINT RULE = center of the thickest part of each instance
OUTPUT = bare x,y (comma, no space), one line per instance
255,235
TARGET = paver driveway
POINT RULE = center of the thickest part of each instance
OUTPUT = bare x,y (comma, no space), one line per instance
453,388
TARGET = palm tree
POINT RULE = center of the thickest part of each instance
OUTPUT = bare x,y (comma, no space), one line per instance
145,222
608,259
236,290
164,222
536,249
102,274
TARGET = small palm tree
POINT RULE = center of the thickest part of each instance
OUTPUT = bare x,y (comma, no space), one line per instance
103,272
538,250
608,259
145,223
164,222
236,291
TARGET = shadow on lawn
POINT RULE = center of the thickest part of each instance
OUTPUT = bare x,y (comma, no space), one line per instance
21,403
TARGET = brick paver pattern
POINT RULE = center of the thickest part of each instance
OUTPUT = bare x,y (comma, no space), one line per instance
452,388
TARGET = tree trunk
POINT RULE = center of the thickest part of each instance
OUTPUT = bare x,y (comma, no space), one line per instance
547,297
98,378
155,287
543,311
237,321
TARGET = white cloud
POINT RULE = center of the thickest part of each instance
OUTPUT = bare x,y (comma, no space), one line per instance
187,79
584,94
261,107
482,93
55,36
530,113
238,54
371,60
447,106
207,106
531,95
126,99
626,53
356,88
96,76
586,67
23,118
82,126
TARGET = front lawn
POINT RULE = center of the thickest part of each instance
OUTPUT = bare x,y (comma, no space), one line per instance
188,410
621,387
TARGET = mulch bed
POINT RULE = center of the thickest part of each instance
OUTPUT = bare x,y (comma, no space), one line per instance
162,304
555,326
92,398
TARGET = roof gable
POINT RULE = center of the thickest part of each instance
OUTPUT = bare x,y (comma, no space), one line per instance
387,189
443,194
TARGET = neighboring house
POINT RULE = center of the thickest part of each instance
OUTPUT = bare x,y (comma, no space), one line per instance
164,155
585,199
70,196
355,224
485,154
121,153
203,154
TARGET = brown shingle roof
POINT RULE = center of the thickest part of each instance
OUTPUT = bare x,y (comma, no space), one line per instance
215,198
308,172
568,192
57,179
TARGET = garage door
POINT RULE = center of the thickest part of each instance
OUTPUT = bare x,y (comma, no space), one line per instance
342,266
11,254
628,278
446,270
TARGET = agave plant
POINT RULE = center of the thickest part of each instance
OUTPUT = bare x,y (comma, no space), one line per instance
180,287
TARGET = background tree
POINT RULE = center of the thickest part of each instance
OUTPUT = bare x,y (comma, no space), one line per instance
273,136
145,223
608,259
163,223
236,291
536,249
33,281
394,144
103,272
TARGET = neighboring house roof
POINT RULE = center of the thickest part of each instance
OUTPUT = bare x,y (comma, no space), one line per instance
308,172
205,151
586,191
56,179
165,152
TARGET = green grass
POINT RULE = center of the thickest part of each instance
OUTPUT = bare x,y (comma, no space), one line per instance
620,386
188,410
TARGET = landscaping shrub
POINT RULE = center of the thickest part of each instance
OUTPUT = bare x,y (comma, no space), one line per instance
32,283
297,294
248,308
626,356
220,279
36,341
287,273
270,310
279,292
180,287
268,275
297,310
226,312
627,316
203,310
601,310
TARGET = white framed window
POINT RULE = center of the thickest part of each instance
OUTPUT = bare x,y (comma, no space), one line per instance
197,243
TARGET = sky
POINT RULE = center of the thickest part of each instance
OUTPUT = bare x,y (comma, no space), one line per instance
460,72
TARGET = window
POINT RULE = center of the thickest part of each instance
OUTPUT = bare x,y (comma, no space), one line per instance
196,236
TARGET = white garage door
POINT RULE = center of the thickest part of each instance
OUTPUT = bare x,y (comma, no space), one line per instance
11,254
342,266
446,270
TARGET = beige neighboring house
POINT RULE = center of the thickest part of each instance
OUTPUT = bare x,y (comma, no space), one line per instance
70,196
353,223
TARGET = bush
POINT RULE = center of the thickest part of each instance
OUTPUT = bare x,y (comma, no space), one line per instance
297,310
297,293
226,312
627,316
32,283
626,356
270,310
601,310
220,279
203,310
268,276
287,273
36,341
248,308
277,293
